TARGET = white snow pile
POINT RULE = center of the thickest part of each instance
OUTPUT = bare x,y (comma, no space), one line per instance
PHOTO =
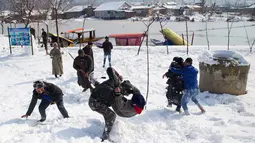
212,57
228,119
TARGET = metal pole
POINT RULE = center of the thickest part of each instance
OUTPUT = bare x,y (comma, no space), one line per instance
187,37
9,40
31,39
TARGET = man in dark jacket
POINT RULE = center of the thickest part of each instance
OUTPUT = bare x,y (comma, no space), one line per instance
45,40
175,84
49,94
83,65
102,98
107,46
124,107
191,89
88,51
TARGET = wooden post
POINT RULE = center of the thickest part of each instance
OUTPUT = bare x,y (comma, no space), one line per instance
38,29
9,40
192,38
187,37
31,40
183,43
56,20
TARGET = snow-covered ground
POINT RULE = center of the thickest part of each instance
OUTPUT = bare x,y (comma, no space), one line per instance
228,118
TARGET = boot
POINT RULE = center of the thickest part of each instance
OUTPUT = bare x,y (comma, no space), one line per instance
201,108
56,76
42,119
186,112
178,110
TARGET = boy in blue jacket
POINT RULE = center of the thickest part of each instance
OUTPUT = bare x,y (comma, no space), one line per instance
191,89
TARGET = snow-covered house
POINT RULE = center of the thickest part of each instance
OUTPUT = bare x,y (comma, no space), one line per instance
142,10
114,10
78,11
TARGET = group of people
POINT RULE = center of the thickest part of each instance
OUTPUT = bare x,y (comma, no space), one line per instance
182,87
110,93
182,84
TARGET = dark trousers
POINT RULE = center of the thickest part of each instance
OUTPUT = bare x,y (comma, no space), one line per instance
45,43
174,96
109,115
45,103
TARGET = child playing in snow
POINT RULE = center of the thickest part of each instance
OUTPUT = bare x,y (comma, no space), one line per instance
191,89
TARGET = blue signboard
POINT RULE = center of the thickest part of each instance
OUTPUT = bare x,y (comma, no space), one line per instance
20,36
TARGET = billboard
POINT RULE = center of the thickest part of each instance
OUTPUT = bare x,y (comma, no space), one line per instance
19,36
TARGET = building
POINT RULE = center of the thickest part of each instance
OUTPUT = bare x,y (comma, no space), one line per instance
142,10
78,11
114,10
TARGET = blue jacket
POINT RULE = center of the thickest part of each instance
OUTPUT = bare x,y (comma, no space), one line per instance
189,76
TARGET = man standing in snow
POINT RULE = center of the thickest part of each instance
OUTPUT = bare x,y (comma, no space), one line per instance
191,89
175,84
107,46
45,40
49,94
83,65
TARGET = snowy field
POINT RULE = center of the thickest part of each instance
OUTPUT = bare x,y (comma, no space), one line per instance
229,119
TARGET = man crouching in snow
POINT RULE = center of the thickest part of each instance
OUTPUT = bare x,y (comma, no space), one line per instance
191,89
109,93
49,94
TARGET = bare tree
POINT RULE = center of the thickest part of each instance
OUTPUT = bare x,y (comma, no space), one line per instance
23,10
58,6
2,15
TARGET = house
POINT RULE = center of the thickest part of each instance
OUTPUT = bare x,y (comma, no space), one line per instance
114,10
78,11
142,10
249,10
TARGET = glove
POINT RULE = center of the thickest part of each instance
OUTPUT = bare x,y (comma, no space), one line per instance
163,75
24,116
117,91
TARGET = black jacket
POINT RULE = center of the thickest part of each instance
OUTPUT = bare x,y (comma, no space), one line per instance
83,63
52,92
104,92
44,36
107,46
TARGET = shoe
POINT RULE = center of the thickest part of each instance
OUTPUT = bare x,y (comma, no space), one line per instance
85,89
110,65
105,136
186,112
56,76
103,66
201,108
178,110
169,105
41,120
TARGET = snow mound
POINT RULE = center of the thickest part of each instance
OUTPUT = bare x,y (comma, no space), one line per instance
213,57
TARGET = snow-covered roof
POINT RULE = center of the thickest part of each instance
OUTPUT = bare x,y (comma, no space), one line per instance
171,3
111,6
77,8
171,7
141,7
252,6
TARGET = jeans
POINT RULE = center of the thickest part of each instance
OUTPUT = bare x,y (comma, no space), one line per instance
189,94
109,58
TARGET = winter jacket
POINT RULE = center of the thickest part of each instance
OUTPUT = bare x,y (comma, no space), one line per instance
175,80
89,51
104,92
52,93
44,36
83,63
57,64
189,76
107,46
